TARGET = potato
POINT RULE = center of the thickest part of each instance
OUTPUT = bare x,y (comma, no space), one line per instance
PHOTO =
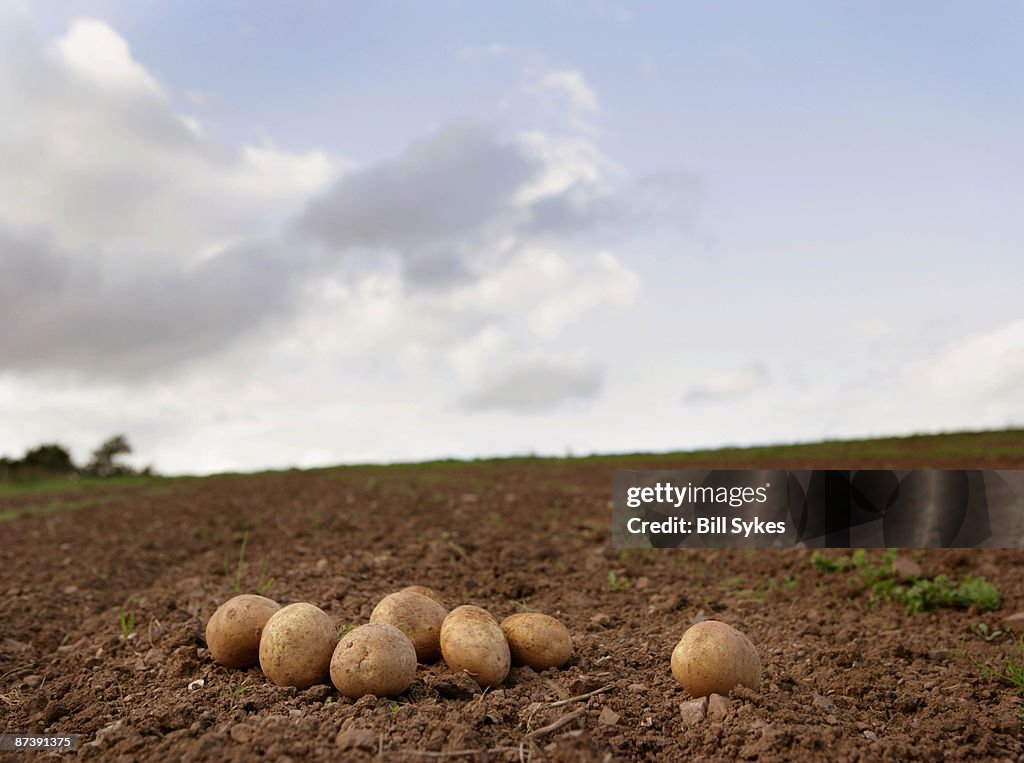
537,640
297,645
430,593
233,632
714,658
373,659
417,617
472,640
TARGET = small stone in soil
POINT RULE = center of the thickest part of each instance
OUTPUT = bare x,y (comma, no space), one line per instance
906,568
693,712
718,707
608,717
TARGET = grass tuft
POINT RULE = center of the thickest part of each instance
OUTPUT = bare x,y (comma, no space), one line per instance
1012,670
126,621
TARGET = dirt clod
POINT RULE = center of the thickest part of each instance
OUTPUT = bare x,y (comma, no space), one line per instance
356,739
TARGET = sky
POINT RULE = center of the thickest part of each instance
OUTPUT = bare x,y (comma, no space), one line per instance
256,235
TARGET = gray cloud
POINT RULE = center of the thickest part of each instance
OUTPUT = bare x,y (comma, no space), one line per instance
440,207
104,243
429,205
61,311
441,204
534,387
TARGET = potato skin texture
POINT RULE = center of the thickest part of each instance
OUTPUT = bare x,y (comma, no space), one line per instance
376,659
537,640
417,617
233,631
472,641
297,645
714,658
430,593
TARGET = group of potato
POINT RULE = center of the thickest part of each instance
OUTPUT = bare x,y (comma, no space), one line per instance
298,645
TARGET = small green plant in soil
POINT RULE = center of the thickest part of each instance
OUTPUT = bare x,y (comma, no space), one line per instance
126,621
982,630
617,582
920,595
263,583
237,691
345,629
1011,672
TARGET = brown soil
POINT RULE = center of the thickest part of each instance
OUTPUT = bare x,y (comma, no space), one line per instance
845,678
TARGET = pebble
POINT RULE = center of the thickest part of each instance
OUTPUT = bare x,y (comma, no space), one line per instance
32,682
906,568
718,707
109,733
321,565
608,717
693,712
938,654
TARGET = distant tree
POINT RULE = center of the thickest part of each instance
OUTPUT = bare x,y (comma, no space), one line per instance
104,458
49,458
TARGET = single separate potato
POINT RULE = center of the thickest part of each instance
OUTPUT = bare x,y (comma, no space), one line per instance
472,640
373,659
537,640
233,632
417,617
714,658
297,645
430,593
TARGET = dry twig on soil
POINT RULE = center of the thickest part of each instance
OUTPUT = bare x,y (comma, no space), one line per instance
565,720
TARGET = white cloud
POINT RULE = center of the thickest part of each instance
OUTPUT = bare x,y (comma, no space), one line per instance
986,365
205,297
96,158
573,86
97,52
